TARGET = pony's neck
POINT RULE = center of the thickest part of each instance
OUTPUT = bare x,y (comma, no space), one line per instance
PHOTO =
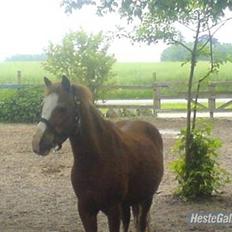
95,133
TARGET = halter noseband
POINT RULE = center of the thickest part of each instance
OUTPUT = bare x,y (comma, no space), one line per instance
58,135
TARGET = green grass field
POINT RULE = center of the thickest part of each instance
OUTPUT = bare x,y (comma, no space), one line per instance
135,73
125,73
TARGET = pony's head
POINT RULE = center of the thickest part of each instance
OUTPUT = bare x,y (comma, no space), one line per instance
60,116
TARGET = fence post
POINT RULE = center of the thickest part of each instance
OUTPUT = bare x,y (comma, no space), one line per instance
19,76
212,99
156,96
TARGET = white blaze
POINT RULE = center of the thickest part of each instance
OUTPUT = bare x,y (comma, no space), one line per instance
50,103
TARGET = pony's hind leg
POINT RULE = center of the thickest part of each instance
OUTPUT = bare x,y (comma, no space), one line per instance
125,216
141,214
113,216
135,210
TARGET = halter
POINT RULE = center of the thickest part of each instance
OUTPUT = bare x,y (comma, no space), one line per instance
61,136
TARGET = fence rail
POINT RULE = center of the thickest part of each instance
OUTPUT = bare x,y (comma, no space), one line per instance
211,95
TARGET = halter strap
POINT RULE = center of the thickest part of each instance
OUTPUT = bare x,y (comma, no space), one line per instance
62,135
50,127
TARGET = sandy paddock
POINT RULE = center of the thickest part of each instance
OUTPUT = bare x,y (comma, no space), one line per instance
36,193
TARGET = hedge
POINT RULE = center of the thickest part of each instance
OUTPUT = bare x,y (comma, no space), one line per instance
21,106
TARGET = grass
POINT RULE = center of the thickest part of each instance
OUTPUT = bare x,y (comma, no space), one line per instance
183,106
141,73
126,73
32,72
136,73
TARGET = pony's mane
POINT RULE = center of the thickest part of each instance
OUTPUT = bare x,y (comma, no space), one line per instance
83,92
80,91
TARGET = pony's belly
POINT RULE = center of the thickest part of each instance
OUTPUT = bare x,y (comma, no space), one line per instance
101,200
143,186
101,192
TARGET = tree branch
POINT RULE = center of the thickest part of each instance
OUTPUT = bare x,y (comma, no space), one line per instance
206,76
209,29
188,154
182,44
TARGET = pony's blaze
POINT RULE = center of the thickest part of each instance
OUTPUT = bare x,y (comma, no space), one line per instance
43,142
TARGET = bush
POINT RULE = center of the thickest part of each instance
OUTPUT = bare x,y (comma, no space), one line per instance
82,57
203,175
23,105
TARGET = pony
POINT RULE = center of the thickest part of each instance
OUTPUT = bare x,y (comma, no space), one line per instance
117,167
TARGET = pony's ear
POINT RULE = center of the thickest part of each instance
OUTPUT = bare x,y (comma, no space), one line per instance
47,82
65,83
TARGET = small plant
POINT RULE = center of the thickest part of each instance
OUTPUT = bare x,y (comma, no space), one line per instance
201,176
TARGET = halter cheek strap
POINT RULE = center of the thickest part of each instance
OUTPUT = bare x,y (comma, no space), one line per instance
58,145
49,126
61,136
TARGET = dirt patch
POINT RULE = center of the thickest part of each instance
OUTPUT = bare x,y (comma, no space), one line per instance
36,192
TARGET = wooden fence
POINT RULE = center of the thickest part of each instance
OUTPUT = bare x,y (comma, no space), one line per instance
17,85
156,88
211,95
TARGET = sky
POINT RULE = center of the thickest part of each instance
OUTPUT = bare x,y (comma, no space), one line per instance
28,25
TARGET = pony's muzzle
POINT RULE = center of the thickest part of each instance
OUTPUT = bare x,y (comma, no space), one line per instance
40,149
42,143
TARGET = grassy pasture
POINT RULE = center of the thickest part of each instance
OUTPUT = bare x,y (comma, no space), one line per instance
32,72
141,73
125,73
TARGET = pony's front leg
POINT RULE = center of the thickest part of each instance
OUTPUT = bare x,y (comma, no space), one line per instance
88,216
114,216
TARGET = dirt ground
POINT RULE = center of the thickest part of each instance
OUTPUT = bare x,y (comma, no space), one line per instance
36,193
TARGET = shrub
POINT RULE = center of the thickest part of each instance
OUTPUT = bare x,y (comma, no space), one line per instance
23,105
202,176
82,57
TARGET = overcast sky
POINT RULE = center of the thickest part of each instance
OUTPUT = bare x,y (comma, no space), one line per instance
27,26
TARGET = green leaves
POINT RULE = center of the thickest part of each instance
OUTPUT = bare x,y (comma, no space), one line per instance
22,105
83,58
75,4
202,176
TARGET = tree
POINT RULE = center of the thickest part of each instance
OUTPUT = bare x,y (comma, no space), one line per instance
81,57
175,53
170,10
159,20
179,53
27,57
198,16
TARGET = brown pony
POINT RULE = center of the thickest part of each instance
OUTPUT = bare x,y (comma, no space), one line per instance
117,166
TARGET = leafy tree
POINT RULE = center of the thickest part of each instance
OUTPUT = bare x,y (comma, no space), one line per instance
27,57
163,9
159,20
179,53
81,57
200,17
175,53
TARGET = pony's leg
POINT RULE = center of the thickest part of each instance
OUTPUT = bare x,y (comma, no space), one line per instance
113,216
125,215
149,221
135,210
144,214
88,217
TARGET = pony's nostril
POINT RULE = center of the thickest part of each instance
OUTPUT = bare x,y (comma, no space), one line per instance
45,146
36,150
41,146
